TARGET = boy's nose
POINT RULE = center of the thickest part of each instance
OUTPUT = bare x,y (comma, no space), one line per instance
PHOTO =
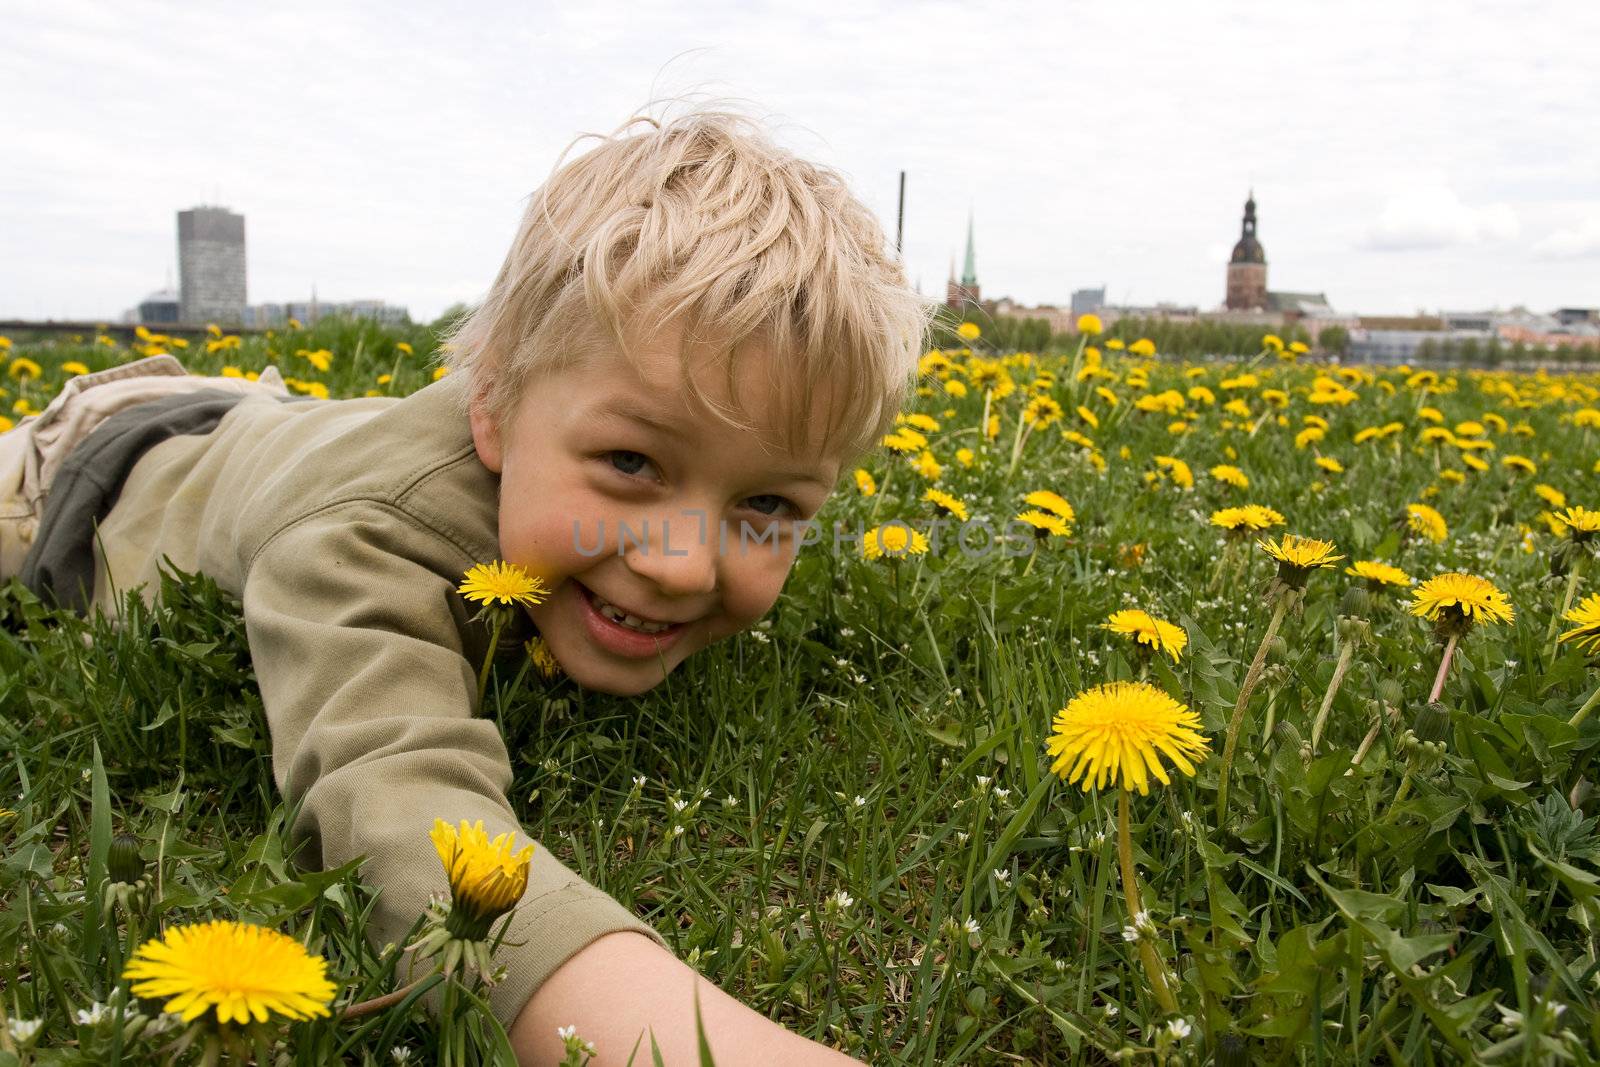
678,555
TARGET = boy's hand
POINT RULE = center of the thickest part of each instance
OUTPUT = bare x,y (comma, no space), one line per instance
624,988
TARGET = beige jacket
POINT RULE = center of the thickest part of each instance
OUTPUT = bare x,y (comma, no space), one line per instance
345,527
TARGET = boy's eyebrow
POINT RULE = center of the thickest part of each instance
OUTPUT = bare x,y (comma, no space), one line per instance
619,409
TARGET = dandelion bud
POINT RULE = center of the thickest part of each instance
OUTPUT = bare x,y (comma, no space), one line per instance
1353,628
1432,723
1287,734
123,859
1277,649
1391,692
1356,601
1232,1051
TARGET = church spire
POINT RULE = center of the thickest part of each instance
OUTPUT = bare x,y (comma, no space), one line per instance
969,269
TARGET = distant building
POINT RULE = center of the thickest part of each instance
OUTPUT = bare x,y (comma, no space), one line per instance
211,266
160,306
1578,316
966,291
310,312
1088,301
1247,267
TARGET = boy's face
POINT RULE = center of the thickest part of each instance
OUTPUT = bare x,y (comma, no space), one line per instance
606,455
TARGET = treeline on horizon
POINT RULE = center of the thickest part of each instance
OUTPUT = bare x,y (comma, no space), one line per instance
1193,340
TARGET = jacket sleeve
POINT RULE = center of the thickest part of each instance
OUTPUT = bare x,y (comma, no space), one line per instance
365,657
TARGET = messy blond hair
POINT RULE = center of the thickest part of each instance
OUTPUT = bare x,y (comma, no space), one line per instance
705,217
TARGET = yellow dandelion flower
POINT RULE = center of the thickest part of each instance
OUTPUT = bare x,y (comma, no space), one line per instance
245,973
1298,556
1116,344
402,346
918,421
1586,635
1230,475
965,456
1550,495
487,877
24,369
1142,347
1519,463
1044,524
893,539
1119,732
544,661
1090,324
969,331
1146,629
1248,518
1054,503
1580,524
502,583
946,503
1459,600
1041,412
927,465
1177,470
864,482
1426,521
1331,465
74,368
1088,416
1379,574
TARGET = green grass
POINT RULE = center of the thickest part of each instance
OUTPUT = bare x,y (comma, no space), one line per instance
882,734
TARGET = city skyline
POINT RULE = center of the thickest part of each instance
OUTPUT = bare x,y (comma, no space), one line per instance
1402,161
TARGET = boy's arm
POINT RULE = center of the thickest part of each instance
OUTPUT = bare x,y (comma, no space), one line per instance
356,633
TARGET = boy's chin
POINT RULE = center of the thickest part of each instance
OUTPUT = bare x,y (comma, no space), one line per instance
617,681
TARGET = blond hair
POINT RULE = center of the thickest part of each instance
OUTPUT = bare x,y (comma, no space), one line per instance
703,217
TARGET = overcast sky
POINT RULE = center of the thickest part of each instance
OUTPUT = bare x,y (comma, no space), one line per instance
1403,155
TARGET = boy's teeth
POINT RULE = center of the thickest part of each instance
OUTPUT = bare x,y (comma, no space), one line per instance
633,622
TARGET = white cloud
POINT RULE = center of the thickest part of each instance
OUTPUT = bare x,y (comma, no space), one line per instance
1433,216
1580,240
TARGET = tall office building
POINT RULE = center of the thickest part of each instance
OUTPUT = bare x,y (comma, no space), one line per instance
211,277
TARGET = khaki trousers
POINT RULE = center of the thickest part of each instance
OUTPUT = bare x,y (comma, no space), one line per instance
32,452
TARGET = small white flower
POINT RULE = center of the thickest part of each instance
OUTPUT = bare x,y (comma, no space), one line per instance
1001,793
859,801
1179,1029
1111,1010
23,1031
400,1054
678,804
1188,817
841,662
677,831
1130,934
983,781
1003,877
962,836
842,900
971,926
730,801
848,631
639,781
1099,838
92,1014
1061,966
565,1032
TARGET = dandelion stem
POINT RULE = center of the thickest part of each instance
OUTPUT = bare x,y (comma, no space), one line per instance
1154,969
1444,668
1583,712
388,1000
1566,603
1252,676
1024,430
488,657
1346,654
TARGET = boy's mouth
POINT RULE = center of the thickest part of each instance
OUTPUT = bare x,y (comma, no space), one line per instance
623,632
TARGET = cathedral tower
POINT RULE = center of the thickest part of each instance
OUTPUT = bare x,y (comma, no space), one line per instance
1247,268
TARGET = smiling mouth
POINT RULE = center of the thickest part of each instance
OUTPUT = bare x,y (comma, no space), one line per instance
613,613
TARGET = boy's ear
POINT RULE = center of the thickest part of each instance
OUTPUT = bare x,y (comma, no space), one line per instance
486,437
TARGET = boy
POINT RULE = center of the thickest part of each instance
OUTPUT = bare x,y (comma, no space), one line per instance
693,331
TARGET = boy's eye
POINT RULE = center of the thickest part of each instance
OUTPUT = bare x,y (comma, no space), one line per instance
767,503
628,462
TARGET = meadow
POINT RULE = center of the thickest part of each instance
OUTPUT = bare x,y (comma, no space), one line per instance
853,816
